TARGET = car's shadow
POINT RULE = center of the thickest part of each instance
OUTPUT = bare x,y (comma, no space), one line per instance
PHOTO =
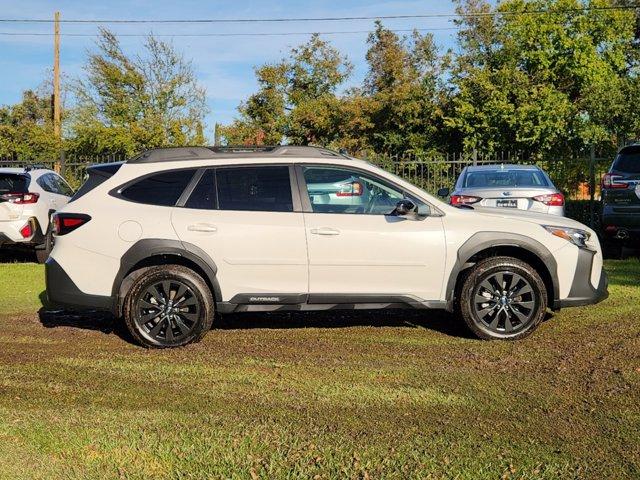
435,320
12,255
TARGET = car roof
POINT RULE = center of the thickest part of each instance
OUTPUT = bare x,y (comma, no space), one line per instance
18,171
501,166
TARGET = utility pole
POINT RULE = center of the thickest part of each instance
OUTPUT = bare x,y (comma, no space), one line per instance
56,86
56,75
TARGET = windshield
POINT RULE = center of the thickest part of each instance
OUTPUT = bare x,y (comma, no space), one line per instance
501,178
13,183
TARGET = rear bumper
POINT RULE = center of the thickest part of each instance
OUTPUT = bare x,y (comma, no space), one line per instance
621,221
63,292
582,291
10,232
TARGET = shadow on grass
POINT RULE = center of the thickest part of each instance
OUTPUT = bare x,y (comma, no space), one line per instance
15,255
436,320
103,322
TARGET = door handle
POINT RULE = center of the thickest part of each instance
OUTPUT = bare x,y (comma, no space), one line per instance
325,231
202,227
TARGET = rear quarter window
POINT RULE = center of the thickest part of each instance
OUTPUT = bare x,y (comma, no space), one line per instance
162,189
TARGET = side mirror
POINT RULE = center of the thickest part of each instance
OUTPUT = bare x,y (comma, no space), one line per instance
404,207
443,192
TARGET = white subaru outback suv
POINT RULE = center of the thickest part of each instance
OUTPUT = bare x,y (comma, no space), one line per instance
28,197
169,238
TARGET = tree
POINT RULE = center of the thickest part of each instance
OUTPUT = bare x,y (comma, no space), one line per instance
405,85
543,83
127,104
296,99
26,129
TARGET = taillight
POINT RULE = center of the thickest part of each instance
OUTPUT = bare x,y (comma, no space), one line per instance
352,189
551,200
27,230
20,198
456,200
64,223
611,180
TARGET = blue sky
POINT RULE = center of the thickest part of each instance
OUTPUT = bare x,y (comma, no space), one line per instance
224,65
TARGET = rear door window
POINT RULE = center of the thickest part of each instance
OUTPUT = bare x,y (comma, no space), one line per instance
261,188
162,189
14,183
203,196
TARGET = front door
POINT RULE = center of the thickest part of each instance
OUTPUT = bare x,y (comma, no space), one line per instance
358,249
245,219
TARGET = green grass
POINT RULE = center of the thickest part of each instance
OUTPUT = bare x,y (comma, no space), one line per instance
353,395
20,287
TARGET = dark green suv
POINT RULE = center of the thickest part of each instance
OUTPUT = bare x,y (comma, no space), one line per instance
621,196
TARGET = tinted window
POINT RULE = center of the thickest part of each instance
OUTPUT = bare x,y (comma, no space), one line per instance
163,189
254,188
61,186
47,183
340,190
628,162
97,174
13,183
505,178
204,195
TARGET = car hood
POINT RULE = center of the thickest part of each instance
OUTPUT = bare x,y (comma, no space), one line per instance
539,218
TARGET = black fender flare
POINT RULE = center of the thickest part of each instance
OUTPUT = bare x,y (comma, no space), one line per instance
153,247
484,240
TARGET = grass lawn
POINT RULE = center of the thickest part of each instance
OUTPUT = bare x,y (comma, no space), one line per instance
354,395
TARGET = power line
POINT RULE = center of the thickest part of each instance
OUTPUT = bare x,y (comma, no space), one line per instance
330,19
254,34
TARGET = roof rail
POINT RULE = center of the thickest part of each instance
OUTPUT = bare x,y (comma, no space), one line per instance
175,154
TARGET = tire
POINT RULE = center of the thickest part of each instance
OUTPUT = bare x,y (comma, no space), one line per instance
43,253
148,307
513,314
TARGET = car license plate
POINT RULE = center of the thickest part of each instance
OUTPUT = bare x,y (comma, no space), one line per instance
507,203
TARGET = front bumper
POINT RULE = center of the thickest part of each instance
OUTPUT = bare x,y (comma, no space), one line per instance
63,292
582,291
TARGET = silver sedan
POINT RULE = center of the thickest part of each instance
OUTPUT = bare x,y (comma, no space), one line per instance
523,187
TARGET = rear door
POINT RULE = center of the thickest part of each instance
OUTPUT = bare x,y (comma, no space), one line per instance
248,219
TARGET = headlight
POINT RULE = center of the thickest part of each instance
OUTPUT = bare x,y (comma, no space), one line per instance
574,235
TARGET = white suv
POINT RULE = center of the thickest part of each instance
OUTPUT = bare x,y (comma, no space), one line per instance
172,236
28,197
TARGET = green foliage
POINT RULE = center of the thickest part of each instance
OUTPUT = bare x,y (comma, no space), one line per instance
296,99
545,83
127,104
26,129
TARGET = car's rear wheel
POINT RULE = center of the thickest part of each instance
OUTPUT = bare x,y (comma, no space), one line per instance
503,298
168,306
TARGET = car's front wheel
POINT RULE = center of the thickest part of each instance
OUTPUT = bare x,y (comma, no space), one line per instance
168,306
503,298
